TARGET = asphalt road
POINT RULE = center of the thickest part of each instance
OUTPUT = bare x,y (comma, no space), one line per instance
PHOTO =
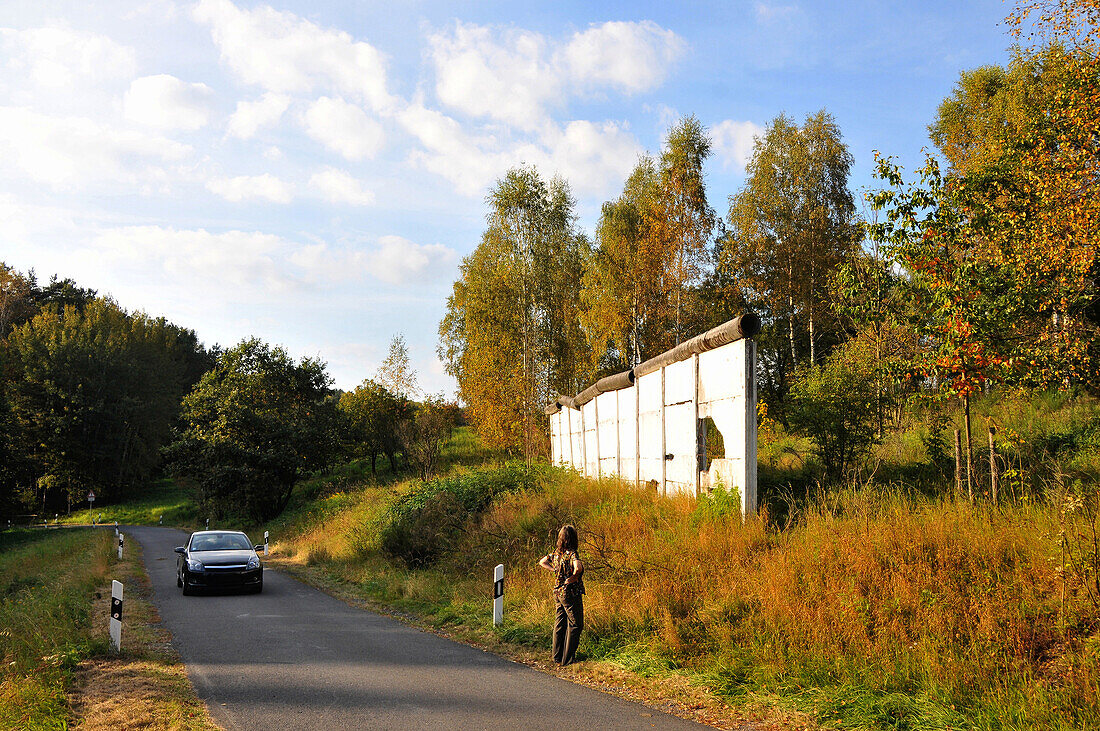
295,658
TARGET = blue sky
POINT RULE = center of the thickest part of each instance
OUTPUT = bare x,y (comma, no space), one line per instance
312,173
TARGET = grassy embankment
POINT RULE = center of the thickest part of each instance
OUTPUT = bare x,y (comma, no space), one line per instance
882,605
57,668
165,501
877,606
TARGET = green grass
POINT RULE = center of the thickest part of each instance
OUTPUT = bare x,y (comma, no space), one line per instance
46,578
887,603
163,500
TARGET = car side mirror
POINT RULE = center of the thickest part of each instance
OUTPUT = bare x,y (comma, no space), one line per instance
259,547
181,549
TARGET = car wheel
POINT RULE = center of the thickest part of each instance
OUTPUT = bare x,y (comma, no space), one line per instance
187,589
179,581
259,587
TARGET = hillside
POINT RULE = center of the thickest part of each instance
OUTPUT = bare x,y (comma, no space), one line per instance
880,605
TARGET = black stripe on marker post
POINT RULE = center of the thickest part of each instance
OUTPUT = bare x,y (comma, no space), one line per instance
116,609
498,588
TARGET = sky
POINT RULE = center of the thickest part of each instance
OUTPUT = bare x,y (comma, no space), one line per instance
313,173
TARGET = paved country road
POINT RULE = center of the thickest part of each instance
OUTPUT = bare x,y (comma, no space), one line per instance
295,658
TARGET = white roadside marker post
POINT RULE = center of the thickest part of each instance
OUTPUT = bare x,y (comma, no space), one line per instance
116,614
116,527
498,594
160,520
120,538
265,542
208,524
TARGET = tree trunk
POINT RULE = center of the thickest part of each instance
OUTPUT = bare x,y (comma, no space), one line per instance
790,335
969,449
813,349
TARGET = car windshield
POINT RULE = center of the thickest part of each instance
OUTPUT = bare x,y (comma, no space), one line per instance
220,542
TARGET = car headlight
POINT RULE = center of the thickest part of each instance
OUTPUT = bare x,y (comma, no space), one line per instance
254,562
193,564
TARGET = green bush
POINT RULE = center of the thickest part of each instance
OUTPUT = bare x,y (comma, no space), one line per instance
420,526
835,404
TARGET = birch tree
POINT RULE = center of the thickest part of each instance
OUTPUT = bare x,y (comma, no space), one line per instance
510,336
791,226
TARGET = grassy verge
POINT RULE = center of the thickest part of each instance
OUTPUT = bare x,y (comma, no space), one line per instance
876,609
164,501
57,669
881,605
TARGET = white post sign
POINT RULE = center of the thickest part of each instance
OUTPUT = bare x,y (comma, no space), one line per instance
116,615
265,542
498,594
120,539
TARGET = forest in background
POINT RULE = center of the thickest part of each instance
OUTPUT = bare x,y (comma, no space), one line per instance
977,276
95,399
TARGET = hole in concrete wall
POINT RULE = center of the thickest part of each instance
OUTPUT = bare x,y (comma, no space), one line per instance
716,447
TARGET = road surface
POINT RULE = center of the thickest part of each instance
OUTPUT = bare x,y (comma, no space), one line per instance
295,658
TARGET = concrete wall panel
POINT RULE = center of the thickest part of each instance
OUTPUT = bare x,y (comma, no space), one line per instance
660,415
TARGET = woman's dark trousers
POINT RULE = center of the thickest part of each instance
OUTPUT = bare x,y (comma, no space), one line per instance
568,623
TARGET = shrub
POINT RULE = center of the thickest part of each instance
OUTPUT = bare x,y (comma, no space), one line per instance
835,405
420,526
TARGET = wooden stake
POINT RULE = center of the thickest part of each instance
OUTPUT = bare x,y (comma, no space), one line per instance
994,477
958,463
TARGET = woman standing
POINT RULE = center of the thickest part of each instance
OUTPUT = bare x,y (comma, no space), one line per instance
568,593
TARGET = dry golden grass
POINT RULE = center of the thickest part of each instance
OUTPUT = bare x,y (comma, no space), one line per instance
146,685
870,610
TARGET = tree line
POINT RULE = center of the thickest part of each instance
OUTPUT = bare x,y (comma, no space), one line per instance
981,273
97,399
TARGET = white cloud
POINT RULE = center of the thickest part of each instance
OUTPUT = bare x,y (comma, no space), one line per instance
594,158
165,102
250,116
60,58
733,141
512,75
397,260
633,57
337,186
282,52
769,14
234,263
468,162
79,152
324,264
245,187
344,128
506,75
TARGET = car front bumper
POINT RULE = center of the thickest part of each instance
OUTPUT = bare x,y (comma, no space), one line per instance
215,578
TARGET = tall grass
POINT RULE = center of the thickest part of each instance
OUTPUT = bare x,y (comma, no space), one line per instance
46,578
889,603
876,607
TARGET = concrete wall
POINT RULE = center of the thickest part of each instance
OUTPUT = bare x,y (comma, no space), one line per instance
655,430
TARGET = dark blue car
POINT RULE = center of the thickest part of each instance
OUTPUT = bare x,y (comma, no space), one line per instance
219,559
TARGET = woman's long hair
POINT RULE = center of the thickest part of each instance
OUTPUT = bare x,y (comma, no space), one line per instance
567,539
